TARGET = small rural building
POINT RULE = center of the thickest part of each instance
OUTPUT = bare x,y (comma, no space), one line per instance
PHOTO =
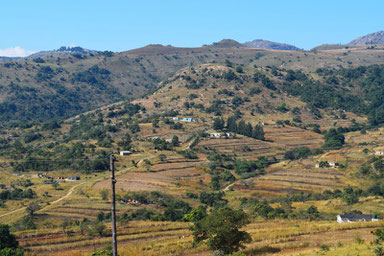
41,175
348,218
326,164
125,153
217,135
175,119
333,164
187,119
379,152
152,138
73,178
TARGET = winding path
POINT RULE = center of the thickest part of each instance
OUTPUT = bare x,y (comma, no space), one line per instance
70,191
54,202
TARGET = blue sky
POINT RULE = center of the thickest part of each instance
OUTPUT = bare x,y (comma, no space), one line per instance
122,25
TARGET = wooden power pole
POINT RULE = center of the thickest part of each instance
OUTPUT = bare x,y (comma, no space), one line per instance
113,197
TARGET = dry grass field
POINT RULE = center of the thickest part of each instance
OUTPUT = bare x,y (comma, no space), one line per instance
278,237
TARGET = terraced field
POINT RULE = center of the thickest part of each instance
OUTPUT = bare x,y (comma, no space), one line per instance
162,176
278,139
138,233
292,137
298,180
236,146
282,237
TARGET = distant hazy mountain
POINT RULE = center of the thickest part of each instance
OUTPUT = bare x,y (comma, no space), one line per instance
374,38
264,44
62,51
2,58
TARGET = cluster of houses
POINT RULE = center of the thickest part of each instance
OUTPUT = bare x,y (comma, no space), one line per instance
183,119
336,164
130,202
60,179
217,135
134,202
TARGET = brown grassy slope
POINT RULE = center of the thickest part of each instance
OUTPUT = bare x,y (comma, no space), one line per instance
260,107
134,72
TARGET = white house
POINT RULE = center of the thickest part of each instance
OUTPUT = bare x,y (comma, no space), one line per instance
183,119
333,164
125,153
217,135
187,119
379,152
348,218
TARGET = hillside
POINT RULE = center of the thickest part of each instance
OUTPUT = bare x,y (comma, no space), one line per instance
280,124
60,87
268,45
370,39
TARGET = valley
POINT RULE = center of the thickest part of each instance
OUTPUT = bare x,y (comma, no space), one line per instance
291,138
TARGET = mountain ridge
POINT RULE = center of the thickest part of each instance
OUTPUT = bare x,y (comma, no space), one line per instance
75,83
373,38
269,45
62,51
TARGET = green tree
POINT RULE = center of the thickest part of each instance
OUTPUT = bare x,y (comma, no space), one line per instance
231,124
379,233
350,199
197,214
12,252
97,228
333,139
32,208
218,124
312,211
242,127
220,230
126,142
215,182
100,216
175,141
162,157
239,69
258,132
7,240
103,252
104,193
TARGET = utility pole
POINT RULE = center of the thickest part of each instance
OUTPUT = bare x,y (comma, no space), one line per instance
113,197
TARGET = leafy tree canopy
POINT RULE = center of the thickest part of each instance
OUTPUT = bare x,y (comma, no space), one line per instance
220,230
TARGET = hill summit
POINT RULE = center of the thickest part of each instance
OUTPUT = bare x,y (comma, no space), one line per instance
227,43
374,38
62,51
268,45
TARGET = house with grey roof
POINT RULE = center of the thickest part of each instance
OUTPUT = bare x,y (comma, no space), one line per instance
348,218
